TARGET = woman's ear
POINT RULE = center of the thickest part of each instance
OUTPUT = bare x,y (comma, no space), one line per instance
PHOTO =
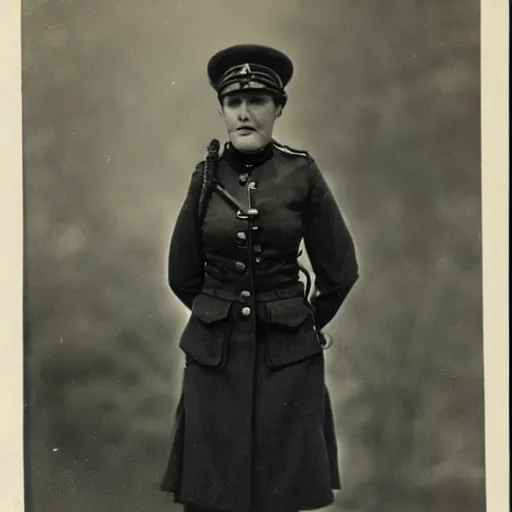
279,111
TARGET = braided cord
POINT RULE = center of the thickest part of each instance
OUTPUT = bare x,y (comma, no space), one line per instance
209,170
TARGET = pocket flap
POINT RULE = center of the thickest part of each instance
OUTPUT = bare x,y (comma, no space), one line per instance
288,312
205,337
210,309
291,335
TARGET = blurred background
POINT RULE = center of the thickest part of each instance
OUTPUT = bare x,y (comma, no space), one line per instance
117,112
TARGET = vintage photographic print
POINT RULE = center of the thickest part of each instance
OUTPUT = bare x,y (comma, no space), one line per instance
252,256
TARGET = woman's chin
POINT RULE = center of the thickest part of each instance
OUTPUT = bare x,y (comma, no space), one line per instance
248,143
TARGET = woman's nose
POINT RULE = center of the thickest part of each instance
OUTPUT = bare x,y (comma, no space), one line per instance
243,113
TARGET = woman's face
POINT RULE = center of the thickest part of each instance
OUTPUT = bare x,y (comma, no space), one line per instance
250,118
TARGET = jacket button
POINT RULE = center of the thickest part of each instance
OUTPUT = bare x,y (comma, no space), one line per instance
243,179
253,212
246,311
245,294
241,235
239,266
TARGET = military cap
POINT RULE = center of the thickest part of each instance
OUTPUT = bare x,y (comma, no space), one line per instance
249,67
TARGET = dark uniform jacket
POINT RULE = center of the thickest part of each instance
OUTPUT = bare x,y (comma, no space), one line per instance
254,426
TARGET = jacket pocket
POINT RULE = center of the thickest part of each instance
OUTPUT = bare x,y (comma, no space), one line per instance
291,335
205,336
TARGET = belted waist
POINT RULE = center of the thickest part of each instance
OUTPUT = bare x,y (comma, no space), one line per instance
295,289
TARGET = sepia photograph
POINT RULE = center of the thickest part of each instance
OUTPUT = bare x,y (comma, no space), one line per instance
252,261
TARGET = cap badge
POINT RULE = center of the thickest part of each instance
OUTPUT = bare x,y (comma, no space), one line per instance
244,76
246,70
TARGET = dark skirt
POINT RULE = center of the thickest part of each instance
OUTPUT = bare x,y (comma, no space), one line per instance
251,438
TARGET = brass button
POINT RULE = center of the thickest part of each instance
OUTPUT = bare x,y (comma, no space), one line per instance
256,228
246,311
253,212
245,294
239,266
241,235
252,185
243,179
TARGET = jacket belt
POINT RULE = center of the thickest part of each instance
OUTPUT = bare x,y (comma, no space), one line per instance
293,290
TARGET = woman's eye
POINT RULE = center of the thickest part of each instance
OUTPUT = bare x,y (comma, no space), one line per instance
254,100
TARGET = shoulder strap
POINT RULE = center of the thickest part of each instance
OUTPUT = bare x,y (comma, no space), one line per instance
290,151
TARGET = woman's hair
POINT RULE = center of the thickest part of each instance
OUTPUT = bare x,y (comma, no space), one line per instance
279,99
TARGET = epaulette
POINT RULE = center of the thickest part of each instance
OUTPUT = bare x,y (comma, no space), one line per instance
287,150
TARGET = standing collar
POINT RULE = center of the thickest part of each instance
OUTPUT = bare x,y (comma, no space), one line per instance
242,160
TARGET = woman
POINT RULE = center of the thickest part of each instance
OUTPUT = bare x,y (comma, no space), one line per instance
254,427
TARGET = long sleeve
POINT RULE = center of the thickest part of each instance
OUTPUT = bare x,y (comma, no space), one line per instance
186,257
330,248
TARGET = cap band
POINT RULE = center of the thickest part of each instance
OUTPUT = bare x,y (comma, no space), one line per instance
246,76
